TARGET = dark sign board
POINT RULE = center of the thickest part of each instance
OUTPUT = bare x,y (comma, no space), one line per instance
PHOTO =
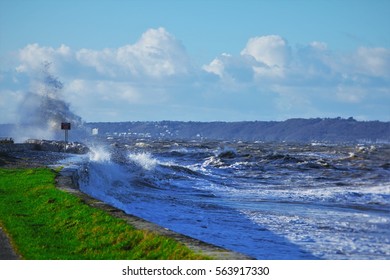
65,126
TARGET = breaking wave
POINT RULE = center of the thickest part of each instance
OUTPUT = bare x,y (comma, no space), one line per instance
269,201
145,160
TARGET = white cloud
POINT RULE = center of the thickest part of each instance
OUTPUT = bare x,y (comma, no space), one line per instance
272,50
235,71
156,55
33,56
217,66
156,72
134,74
115,98
276,63
306,77
373,61
103,90
102,61
263,58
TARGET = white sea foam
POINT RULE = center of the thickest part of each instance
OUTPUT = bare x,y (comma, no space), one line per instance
145,160
261,207
99,154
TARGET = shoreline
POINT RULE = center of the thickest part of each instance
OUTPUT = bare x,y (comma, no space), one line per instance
66,181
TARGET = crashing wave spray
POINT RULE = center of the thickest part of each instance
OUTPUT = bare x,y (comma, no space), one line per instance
145,160
42,110
99,154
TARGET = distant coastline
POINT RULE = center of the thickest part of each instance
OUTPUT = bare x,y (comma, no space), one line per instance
325,130
334,130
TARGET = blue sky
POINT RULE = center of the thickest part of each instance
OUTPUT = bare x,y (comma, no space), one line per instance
200,60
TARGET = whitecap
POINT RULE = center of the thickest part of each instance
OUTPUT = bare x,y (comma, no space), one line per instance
145,160
99,154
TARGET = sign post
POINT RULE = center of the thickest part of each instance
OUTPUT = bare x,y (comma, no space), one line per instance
65,126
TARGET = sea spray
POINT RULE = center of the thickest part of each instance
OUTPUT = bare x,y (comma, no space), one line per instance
99,154
44,108
145,160
267,200
100,176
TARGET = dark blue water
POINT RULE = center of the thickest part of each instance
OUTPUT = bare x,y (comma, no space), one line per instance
267,200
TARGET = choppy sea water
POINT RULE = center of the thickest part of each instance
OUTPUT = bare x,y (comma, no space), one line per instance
266,200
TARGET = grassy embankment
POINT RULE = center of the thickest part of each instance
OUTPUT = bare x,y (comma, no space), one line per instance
47,223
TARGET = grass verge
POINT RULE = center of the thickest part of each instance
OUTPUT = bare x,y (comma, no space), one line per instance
47,223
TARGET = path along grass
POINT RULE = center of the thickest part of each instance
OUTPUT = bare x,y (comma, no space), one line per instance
47,223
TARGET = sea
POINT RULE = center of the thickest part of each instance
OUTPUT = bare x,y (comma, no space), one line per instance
266,200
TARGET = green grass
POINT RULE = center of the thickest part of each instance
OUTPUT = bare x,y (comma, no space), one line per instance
47,223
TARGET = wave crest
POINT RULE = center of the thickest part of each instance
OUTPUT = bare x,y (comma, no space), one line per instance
145,160
99,154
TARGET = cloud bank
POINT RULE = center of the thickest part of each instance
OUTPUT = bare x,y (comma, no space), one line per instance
155,79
